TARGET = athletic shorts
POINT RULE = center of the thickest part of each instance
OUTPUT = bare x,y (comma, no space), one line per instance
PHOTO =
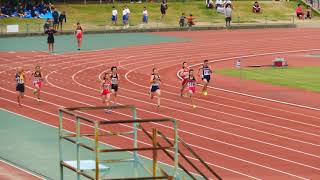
114,87
184,81
154,88
39,84
20,88
79,35
105,92
299,14
114,18
192,89
124,18
207,77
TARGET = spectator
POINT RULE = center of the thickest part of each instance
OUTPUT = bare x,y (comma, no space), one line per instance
145,15
182,20
20,11
299,12
219,3
29,6
256,7
209,4
220,9
163,8
308,12
50,7
3,15
191,20
44,11
62,18
227,2
46,25
124,17
127,10
228,15
114,17
55,16
34,13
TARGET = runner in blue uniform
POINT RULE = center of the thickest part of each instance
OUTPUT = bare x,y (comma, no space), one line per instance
205,72
155,86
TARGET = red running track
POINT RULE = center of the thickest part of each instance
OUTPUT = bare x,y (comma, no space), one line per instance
241,137
10,172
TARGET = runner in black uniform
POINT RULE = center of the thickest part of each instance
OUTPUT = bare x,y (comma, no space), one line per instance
20,79
155,86
114,82
206,72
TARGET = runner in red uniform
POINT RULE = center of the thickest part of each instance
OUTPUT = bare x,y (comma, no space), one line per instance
184,73
106,90
37,82
191,83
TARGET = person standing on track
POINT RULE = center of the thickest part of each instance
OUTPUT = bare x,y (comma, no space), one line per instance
50,39
106,90
79,34
114,83
205,73
155,86
183,74
37,82
20,79
191,83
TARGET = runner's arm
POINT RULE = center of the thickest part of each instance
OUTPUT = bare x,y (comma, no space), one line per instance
151,79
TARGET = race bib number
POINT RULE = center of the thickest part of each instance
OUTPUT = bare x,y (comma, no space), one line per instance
206,72
114,81
190,84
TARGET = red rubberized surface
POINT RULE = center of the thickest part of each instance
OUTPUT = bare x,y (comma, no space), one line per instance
241,137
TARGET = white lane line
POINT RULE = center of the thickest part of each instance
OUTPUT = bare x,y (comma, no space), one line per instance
21,169
209,109
249,162
91,96
259,97
211,164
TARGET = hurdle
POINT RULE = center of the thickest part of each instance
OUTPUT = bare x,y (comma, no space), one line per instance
97,165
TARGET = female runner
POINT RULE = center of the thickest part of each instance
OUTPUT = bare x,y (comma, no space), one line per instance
191,83
37,82
114,82
20,77
106,91
183,73
206,72
155,86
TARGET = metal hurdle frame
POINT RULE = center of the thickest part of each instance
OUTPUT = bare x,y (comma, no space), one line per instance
72,111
